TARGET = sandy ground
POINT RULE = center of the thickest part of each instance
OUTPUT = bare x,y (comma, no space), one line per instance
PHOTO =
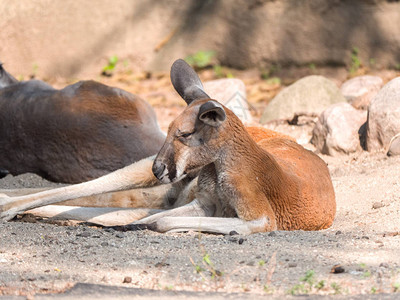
364,240
359,254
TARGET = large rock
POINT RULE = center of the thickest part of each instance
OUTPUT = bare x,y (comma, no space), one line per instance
311,94
384,116
337,130
360,90
394,146
152,34
232,94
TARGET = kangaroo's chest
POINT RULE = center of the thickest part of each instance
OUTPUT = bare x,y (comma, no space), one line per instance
218,190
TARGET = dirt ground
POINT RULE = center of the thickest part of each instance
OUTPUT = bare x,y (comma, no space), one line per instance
359,254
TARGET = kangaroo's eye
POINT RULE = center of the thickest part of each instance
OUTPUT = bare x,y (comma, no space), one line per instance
186,134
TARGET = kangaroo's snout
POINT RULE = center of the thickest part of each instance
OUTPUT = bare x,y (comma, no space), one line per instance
159,170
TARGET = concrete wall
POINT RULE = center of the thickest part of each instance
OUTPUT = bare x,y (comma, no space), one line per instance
74,38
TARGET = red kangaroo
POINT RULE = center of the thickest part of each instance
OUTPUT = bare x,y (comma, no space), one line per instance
247,181
75,134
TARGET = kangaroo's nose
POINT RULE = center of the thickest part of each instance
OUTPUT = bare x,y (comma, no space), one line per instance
159,169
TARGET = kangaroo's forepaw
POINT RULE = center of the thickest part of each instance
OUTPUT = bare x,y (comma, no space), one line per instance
6,214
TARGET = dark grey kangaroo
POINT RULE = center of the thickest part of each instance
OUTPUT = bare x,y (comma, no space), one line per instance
75,134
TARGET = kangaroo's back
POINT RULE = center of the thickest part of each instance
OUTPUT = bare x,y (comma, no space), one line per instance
311,204
75,134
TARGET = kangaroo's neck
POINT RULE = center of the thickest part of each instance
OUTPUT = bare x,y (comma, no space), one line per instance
244,161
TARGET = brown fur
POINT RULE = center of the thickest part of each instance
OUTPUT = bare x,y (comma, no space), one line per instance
248,180
252,173
75,134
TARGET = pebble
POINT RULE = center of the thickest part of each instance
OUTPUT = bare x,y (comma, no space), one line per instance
338,232
127,279
83,234
236,240
337,269
272,233
384,265
120,235
377,205
292,265
161,264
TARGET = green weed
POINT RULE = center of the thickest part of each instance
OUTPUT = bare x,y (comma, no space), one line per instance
320,285
306,284
207,265
355,63
337,288
35,69
396,287
109,68
200,59
268,289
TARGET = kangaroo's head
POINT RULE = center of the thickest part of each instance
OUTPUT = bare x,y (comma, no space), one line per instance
196,136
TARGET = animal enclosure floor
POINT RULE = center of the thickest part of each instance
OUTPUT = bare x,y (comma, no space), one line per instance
37,258
364,240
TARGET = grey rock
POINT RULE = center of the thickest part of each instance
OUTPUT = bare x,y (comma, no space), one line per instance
337,130
311,94
360,90
394,146
384,116
231,92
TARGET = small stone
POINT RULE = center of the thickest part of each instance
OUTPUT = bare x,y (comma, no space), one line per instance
161,264
120,235
377,205
104,244
231,92
311,94
233,232
127,279
272,233
394,146
338,232
241,240
337,269
383,116
384,265
292,265
365,237
250,263
84,234
337,130
360,90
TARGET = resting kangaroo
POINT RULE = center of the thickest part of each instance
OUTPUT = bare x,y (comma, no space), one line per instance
74,134
248,180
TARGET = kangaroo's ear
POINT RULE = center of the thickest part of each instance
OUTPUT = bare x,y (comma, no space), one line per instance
212,113
6,78
186,82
